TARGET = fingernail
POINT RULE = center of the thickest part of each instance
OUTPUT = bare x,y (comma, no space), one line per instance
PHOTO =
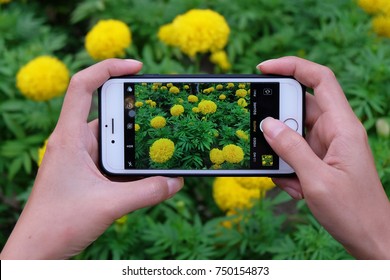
272,127
134,61
174,185
293,193
264,62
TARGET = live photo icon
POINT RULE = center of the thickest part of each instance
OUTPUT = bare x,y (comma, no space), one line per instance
267,91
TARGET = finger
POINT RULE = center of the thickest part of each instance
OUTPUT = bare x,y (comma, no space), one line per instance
291,147
130,196
313,112
94,127
290,185
93,149
327,90
77,102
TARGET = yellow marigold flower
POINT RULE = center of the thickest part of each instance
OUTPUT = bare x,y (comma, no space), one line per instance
208,90
219,87
169,85
381,25
222,97
233,153
153,104
230,195
230,85
196,31
220,58
139,104
174,90
241,134
259,183
216,156
121,221
149,101
192,98
4,1
241,92
186,87
43,78
195,110
241,86
375,6
137,127
161,150
242,102
158,122
108,38
382,127
215,167
231,222
41,152
163,88
177,110
207,107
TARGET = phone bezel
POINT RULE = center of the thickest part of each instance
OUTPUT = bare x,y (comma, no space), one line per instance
191,78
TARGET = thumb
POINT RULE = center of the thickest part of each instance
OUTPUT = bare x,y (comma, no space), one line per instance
130,196
291,147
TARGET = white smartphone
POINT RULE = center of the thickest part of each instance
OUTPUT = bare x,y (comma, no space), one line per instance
186,125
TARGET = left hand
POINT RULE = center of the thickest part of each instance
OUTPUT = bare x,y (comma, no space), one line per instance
72,203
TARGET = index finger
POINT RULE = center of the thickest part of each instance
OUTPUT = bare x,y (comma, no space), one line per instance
77,101
328,92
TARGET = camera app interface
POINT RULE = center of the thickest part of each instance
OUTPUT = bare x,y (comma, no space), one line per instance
198,125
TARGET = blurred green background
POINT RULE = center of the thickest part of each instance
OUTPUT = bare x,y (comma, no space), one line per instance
349,36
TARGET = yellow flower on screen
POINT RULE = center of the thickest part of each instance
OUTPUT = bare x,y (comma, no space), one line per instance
161,150
222,97
174,90
139,104
177,110
107,39
242,102
207,107
192,98
233,153
241,92
242,135
43,78
158,122
216,156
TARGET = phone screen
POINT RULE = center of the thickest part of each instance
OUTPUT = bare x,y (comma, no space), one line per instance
198,125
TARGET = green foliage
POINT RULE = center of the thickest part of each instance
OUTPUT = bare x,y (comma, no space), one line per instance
336,33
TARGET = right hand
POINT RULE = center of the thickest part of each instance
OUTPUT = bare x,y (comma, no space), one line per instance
335,168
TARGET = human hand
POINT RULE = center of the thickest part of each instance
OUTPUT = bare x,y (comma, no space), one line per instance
72,203
335,169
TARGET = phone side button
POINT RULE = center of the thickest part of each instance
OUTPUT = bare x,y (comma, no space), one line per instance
292,123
